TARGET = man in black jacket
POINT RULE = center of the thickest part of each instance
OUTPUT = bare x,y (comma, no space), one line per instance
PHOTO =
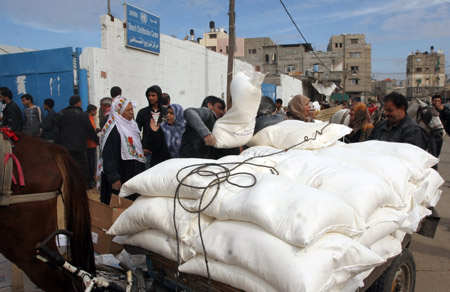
398,126
154,111
74,128
12,115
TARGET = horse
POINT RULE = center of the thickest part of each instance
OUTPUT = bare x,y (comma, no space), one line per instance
46,167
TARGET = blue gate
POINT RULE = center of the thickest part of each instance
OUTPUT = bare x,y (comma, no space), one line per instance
43,74
269,90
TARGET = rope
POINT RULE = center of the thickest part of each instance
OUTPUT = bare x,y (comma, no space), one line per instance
218,178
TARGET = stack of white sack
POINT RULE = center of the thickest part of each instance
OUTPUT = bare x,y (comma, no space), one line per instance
299,220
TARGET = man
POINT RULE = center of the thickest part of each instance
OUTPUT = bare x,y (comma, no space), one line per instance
444,116
74,128
115,91
154,111
198,140
49,132
165,99
12,115
105,107
398,126
32,116
279,105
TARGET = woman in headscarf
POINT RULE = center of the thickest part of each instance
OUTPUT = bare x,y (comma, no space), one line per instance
359,122
121,153
298,109
166,137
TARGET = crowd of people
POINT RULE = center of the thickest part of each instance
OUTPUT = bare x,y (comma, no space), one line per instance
123,145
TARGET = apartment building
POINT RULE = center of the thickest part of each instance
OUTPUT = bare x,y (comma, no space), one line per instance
217,40
356,62
425,73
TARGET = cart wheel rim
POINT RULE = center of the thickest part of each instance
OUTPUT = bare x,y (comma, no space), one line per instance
402,279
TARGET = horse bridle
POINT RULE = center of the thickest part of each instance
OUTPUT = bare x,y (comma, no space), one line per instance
7,177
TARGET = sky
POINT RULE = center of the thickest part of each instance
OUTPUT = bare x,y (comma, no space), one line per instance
394,28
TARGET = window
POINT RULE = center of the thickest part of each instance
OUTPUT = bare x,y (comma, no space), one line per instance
251,51
340,45
353,41
354,81
212,48
228,50
267,59
354,69
291,68
213,36
336,45
274,57
418,70
355,55
418,59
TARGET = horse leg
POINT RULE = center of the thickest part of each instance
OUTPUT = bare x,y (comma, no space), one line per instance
27,224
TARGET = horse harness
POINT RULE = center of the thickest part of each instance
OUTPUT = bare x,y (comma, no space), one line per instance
7,177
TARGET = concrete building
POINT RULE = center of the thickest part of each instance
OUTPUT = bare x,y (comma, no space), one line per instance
347,62
425,73
356,62
217,40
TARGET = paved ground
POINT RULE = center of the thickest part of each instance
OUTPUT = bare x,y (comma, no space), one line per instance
432,256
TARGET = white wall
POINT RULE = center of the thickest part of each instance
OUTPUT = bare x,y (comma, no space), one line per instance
187,71
289,88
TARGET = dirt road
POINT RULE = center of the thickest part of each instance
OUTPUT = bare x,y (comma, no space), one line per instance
432,256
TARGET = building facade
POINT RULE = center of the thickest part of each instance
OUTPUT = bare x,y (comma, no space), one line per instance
217,40
425,74
356,62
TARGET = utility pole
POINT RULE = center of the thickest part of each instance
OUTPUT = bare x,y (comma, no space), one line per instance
109,7
231,45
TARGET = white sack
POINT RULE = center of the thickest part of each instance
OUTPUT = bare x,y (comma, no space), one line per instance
433,193
292,132
392,170
290,210
382,222
157,242
367,193
161,180
333,259
404,151
236,127
157,213
232,275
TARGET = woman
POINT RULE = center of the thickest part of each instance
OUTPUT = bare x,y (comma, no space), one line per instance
121,153
359,122
166,138
298,109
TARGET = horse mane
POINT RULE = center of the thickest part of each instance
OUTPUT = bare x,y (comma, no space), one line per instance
76,209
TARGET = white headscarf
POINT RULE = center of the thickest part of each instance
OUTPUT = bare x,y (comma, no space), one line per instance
130,145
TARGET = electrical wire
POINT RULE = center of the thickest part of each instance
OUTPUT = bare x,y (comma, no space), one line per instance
223,174
303,37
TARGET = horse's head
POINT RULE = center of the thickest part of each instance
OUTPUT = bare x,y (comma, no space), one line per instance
427,117
341,117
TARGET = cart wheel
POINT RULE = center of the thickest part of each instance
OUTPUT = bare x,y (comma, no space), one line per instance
400,276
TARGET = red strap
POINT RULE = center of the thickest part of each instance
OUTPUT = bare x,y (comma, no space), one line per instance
9,133
19,168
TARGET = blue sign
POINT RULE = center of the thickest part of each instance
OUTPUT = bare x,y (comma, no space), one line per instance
142,29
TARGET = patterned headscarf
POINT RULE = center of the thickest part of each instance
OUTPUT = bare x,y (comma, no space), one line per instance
173,133
295,109
130,146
